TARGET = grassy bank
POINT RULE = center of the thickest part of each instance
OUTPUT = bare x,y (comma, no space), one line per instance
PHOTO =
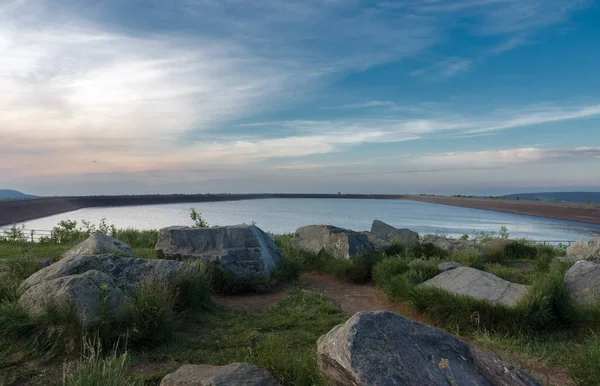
175,324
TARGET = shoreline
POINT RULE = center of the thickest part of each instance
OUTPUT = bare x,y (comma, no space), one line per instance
577,212
16,211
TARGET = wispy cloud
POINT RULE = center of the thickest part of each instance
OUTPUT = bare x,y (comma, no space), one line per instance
509,44
528,155
445,69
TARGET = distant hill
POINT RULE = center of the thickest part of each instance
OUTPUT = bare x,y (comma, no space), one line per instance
557,196
12,194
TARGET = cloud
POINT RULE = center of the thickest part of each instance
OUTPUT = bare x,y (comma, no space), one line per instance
445,69
509,44
519,156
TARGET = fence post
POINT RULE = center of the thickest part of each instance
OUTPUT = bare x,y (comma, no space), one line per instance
32,232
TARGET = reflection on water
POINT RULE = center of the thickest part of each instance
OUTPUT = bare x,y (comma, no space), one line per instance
286,215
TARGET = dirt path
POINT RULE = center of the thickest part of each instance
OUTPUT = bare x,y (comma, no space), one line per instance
352,298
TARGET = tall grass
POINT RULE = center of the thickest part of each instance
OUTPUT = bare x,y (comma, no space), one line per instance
97,369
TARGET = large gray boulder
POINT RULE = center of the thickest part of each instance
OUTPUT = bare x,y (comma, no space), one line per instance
244,250
479,284
339,242
384,348
453,246
383,236
587,249
243,374
583,283
77,281
126,273
84,292
98,244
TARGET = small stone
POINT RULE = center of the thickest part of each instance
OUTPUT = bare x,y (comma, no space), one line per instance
242,374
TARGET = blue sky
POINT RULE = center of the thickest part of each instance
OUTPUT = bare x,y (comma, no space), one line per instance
431,96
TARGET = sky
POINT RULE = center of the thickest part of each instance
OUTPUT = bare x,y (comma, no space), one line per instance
208,96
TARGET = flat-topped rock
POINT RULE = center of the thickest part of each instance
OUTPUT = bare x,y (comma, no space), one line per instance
583,283
479,285
98,244
242,374
383,348
339,242
244,250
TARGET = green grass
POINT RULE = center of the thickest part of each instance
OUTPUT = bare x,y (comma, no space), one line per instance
282,340
358,270
514,275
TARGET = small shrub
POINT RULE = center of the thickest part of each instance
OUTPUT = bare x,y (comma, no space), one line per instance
196,217
15,234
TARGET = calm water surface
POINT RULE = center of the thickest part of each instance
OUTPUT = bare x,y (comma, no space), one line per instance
286,215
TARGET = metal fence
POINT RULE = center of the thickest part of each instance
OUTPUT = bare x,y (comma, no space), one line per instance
554,242
32,235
